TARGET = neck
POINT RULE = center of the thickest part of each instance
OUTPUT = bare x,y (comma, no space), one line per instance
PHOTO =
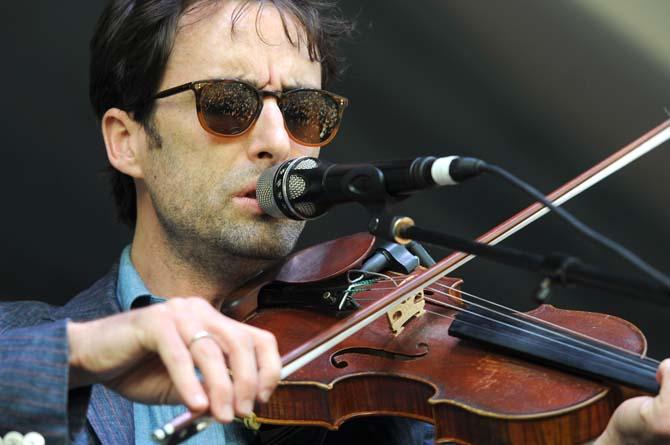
172,268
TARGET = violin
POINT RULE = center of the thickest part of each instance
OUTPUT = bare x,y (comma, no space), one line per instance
409,362
416,345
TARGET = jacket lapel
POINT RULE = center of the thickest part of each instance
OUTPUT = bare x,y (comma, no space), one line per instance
110,415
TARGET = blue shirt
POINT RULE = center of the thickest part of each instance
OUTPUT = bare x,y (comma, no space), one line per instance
131,292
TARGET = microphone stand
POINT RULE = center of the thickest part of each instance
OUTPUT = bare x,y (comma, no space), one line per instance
555,268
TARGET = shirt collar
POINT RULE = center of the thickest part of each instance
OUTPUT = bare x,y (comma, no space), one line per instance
131,290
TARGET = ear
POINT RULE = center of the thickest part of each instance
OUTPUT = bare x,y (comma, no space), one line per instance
123,138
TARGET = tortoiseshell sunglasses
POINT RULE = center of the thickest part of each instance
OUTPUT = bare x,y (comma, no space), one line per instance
230,107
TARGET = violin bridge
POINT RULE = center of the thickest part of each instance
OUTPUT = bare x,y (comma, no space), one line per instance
405,311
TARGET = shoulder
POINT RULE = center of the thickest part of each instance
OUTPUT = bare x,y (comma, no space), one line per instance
97,301
18,314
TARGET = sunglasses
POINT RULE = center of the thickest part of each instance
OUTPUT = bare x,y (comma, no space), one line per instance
230,107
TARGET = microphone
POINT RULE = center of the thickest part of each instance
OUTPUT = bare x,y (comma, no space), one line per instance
305,188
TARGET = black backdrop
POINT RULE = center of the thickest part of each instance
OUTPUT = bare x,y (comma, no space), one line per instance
544,88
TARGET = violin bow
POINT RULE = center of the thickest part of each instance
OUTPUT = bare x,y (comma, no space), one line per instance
299,357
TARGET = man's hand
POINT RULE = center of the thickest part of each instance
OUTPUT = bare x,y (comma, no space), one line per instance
145,356
642,420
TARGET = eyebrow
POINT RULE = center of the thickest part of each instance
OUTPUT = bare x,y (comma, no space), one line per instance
285,87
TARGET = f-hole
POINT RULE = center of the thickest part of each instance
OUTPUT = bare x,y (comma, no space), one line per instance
337,362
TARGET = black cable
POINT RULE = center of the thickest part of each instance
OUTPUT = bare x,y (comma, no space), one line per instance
578,225
424,257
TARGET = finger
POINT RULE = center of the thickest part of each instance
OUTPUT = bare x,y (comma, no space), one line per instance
207,355
268,361
663,378
209,359
238,345
652,411
179,364
662,373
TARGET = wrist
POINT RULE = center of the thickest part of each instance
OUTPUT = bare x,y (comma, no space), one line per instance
76,334
73,340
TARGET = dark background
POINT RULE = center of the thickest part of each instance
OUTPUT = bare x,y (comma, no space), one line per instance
544,88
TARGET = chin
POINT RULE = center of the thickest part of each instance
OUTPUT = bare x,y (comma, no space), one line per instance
262,241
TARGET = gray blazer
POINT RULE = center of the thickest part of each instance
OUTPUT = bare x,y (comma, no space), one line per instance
34,368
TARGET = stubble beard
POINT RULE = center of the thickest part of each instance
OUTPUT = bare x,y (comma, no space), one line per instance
228,245
207,232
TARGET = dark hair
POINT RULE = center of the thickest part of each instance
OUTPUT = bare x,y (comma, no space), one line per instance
133,41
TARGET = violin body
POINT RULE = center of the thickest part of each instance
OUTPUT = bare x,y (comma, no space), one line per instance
471,392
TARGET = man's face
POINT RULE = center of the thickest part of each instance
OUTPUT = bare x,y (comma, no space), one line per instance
200,183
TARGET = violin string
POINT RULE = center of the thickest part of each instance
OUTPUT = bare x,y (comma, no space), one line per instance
560,332
629,360
368,272
633,358
560,329
626,360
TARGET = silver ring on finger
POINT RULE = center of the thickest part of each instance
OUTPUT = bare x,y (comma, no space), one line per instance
199,336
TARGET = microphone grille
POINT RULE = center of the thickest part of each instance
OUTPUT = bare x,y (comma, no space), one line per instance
306,209
264,193
306,164
296,186
278,186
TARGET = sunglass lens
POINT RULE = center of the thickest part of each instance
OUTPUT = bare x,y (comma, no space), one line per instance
228,107
310,116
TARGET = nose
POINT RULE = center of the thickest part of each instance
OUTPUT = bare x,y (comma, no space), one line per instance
269,139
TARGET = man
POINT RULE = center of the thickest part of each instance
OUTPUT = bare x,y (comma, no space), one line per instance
186,185
187,155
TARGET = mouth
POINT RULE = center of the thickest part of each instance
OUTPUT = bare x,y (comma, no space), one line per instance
247,199
247,192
